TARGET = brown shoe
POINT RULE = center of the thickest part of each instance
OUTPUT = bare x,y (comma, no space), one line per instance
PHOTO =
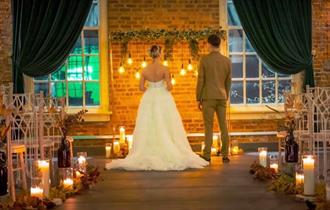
205,158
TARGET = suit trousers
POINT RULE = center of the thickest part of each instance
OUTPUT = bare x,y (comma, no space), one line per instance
209,107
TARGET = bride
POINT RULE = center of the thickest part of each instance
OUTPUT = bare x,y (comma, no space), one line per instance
159,139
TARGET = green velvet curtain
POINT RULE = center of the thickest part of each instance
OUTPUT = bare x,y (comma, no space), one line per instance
44,32
281,33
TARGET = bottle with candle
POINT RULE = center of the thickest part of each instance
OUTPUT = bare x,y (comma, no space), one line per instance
291,148
3,174
64,154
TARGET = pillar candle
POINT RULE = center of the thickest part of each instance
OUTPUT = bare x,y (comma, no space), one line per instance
130,142
122,136
43,166
263,156
116,147
274,166
309,182
108,150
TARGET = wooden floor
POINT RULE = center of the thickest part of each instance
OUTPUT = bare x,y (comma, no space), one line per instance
217,187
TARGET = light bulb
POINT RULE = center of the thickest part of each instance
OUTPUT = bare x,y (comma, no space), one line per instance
129,60
121,69
182,71
190,66
165,63
137,75
144,63
173,82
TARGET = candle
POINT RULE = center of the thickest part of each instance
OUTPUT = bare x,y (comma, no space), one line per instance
215,142
203,146
43,166
299,179
130,142
108,150
122,136
274,166
263,156
68,183
116,147
78,174
235,150
214,151
309,182
82,163
36,192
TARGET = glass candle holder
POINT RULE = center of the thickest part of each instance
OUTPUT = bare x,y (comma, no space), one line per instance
44,169
36,189
263,156
122,136
273,163
82,161
67,178
116,147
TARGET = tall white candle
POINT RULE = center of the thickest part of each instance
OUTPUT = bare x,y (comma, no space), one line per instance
122,135
43,166
130,142
263,156
108,150
309,181
116,147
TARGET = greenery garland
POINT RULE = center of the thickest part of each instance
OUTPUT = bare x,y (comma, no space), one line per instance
169,38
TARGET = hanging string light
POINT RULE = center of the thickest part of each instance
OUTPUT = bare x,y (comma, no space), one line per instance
129,60
137,75
173,82
121,69
165,62
183,71
190,66
144,62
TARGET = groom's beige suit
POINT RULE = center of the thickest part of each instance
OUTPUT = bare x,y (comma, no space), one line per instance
213,86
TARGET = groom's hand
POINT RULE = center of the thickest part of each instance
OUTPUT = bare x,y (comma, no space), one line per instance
200,106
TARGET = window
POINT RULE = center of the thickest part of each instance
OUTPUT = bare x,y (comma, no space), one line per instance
253,82
78,79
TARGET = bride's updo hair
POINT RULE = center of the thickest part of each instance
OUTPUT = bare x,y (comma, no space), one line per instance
155,51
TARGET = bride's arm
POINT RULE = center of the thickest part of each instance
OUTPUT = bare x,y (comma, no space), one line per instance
142,81
168,79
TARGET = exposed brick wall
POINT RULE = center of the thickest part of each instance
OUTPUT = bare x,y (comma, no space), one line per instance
321,41
5,41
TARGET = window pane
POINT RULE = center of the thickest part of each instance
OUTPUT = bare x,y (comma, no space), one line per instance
93,16
58,89
59,74
237,66
252,92
248,46
236,40
41,78
91,42
268,91
38,87
283,86
266,72
92,68
75,68
77,47
252,66
233,19
92,93
75,94
236,93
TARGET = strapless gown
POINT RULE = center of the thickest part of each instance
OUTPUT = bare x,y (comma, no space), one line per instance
159,139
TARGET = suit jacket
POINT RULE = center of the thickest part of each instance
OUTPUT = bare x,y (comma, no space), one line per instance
214,77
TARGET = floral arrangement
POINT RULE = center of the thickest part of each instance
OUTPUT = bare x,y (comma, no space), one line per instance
169,37
262,173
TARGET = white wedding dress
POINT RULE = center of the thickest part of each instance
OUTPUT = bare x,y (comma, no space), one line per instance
159,139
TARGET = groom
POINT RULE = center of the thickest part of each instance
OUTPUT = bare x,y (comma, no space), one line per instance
212,93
